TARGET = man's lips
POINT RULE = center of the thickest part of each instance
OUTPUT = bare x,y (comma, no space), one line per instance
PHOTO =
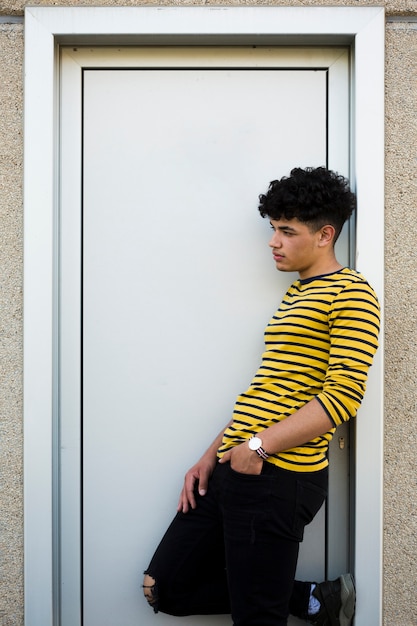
277,257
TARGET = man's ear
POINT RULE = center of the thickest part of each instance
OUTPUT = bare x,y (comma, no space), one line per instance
327,234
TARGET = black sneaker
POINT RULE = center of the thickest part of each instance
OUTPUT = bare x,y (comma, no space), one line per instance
337,602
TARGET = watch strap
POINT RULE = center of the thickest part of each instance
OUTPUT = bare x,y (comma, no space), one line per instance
262,453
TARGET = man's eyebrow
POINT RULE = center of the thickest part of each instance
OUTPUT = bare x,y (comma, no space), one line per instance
285,227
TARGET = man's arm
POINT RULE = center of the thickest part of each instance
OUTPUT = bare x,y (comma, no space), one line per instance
309,422
354,339
200,472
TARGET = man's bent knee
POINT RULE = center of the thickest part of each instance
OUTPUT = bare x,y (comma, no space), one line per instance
149,591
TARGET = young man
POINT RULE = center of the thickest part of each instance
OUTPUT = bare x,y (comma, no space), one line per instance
233,545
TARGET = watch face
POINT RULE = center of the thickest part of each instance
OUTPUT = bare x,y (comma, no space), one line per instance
255,443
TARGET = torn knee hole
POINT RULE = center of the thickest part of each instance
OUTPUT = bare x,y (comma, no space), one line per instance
149,590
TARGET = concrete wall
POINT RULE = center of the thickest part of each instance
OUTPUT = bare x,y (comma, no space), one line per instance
11,242
400,547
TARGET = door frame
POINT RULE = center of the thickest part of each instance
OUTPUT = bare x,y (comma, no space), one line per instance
46,29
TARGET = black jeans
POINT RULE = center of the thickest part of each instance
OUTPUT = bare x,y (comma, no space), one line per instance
237,551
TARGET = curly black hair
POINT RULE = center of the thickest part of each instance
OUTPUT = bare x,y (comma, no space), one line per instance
315,196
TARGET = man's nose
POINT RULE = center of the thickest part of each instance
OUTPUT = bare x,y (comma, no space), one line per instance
275,241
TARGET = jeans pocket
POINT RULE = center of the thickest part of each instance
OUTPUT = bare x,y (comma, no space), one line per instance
243,476
309,500
245,492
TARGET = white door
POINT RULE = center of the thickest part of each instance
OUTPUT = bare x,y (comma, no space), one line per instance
166,286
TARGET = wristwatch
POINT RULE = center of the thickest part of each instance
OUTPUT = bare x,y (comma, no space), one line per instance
255,444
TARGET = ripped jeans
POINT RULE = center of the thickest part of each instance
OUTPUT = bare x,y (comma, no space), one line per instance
237,551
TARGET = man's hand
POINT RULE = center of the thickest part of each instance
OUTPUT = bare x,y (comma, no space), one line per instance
199,473
243,460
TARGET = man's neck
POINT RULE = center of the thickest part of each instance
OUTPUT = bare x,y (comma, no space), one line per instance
322,269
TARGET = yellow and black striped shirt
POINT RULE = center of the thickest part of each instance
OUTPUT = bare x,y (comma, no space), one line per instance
319,344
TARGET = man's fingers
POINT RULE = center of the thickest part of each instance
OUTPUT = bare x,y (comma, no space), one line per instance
203,483
187,497
185,502
190,498
200,474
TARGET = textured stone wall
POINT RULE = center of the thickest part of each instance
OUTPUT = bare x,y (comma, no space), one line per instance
392,7
400,513
400,551
11,241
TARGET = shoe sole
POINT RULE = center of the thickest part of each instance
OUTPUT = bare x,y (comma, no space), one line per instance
348,597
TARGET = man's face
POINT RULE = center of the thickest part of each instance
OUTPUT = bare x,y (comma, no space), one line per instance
295,248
